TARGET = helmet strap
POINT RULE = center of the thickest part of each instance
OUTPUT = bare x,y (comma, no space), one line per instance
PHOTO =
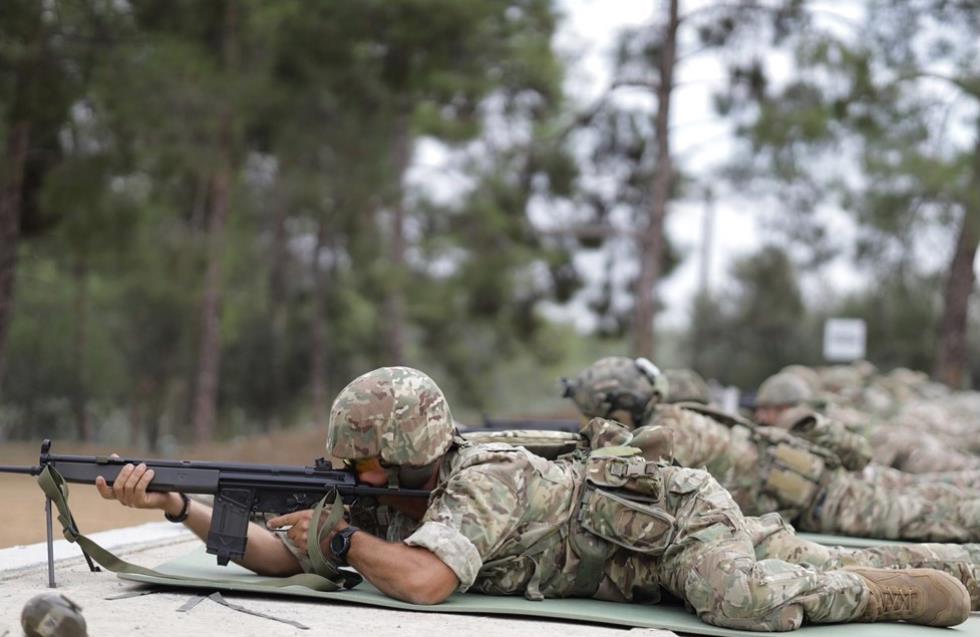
415,477
392,472
408,476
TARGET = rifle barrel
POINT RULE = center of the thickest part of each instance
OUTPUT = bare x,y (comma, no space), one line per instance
30,471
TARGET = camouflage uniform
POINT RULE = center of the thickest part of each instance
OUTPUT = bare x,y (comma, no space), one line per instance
911,440
853,449
768,470
914,451
771,470
508,522
606,524
774,538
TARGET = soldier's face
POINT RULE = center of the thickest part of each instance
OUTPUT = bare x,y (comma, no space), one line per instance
623,416
369,471
768,415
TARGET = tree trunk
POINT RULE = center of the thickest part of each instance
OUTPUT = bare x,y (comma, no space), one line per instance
209,348
952,350
394,287
12,174
277,311
209,354
10,194
79,398
318,375
651,242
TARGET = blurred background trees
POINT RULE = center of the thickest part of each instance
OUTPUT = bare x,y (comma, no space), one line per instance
214,214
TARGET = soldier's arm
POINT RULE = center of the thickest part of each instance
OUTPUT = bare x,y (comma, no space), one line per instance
854,450
699,441
410,573
264,553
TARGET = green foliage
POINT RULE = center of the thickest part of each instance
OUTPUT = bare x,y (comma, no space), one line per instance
901,314
312,101
756,326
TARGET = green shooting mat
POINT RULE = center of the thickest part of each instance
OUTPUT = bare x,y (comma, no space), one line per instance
198,570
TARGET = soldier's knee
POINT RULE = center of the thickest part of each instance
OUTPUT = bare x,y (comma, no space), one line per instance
740,593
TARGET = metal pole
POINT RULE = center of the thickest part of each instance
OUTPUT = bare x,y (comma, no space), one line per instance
47,515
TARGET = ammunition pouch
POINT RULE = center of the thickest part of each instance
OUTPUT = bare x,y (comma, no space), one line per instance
794,475
621,501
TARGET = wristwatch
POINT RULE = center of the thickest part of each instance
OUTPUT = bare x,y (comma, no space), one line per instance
340,543
184,510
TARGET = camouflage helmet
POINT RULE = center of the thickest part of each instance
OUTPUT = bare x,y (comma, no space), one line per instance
783,389
808,375
397,414
50,615
841,378
617,383
686,385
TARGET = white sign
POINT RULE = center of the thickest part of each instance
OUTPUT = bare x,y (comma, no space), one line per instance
844,339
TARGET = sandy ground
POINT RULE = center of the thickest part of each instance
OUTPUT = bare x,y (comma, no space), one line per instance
157,614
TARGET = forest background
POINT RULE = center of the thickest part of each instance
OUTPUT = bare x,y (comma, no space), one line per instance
209,219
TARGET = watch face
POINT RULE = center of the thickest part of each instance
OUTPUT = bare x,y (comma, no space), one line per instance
337,545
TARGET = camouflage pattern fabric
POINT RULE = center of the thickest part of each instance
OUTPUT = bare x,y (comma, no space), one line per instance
913,450
617,387
853,449
686,385
396,413
508,523
784,388
769,470
852,506
965,482
773,538
547,444
905,416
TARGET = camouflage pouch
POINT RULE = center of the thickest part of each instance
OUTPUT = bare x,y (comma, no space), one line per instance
637,526
629,517
794,475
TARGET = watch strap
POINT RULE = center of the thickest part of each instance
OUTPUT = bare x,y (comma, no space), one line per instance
184,510
345,542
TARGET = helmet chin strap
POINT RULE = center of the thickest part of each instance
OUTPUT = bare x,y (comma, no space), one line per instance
409,477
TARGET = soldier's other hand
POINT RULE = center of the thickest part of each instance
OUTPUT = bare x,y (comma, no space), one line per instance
129,488
295,525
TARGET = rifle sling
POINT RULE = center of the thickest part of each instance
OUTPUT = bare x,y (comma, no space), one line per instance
55,488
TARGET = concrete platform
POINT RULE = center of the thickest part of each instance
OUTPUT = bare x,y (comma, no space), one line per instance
23,574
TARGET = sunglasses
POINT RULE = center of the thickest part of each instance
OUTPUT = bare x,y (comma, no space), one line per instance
362,465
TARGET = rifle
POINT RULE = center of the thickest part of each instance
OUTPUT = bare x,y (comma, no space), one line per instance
239,489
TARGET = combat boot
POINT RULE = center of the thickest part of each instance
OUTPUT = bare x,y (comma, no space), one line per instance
917,595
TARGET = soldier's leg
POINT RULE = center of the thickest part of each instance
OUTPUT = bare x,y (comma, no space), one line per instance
849,505
965,482
914,451
711,564
773,538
